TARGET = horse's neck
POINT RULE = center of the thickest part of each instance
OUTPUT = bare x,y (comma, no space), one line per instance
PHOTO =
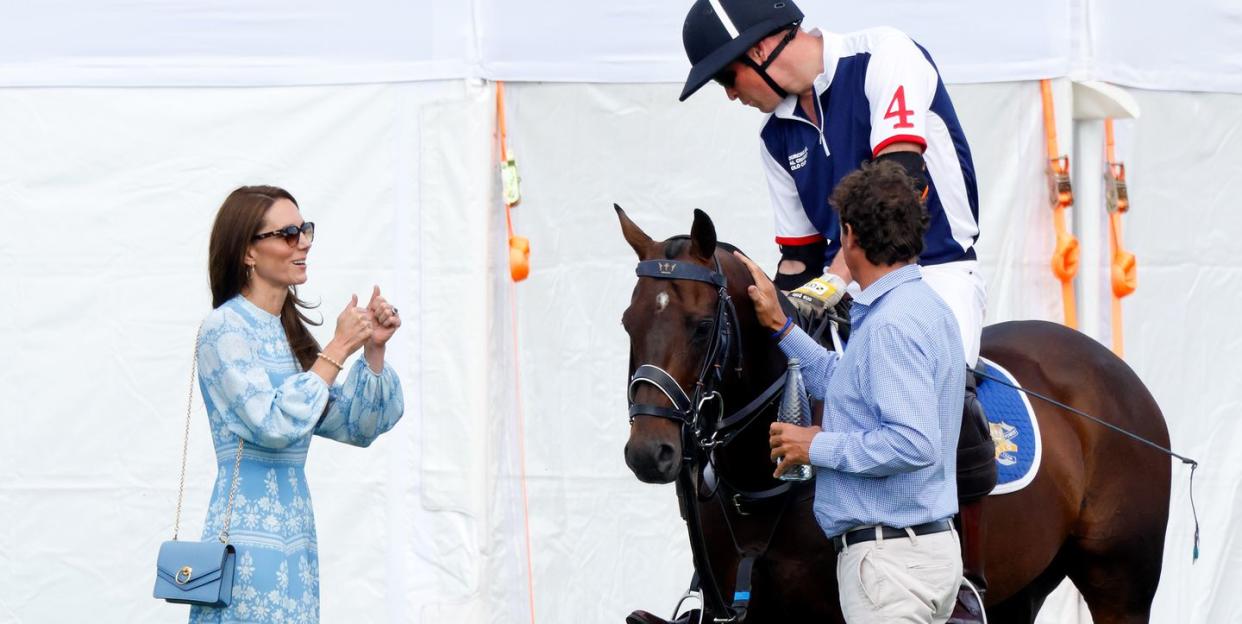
745,462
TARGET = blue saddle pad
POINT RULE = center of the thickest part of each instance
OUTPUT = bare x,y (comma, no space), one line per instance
1014,430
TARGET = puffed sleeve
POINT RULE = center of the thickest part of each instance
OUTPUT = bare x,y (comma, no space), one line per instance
238,386
364,406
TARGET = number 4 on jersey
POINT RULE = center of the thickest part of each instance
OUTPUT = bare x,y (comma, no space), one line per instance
897,108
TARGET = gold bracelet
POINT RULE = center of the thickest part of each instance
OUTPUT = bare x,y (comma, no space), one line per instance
331,361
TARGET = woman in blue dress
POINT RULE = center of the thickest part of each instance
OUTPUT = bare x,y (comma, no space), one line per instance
267,383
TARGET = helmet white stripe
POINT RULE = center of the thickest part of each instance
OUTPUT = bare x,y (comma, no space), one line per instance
724,18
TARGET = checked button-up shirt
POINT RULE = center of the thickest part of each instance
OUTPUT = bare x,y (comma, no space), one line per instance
892,408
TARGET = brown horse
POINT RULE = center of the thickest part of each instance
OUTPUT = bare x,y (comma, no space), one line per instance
1096,511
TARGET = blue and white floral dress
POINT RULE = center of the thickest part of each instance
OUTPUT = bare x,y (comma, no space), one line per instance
254,389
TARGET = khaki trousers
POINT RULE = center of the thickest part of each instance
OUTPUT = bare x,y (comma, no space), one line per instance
907,579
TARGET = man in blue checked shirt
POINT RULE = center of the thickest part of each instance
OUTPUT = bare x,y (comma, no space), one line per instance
886,455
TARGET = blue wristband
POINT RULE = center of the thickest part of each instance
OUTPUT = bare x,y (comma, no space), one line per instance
777,334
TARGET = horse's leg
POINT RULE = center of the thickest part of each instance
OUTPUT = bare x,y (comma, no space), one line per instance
1116,548
1117,580
1022,607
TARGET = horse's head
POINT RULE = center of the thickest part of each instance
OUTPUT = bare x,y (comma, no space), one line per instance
684,340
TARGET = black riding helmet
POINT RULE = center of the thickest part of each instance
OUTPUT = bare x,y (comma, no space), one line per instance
718,32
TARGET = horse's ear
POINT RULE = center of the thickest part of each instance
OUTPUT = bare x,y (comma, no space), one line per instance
702,236
633,234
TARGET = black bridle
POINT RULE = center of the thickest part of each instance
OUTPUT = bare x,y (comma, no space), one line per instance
698,438
725,349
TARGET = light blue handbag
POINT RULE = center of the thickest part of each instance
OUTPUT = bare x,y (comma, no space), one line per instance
198,573
195,573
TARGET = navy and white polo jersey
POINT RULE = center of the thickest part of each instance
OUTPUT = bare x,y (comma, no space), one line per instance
878,88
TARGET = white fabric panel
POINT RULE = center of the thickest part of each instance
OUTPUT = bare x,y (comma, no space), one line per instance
232,42
1005,127
971,40
1181,334
1182,46
108,197
280,42
641,41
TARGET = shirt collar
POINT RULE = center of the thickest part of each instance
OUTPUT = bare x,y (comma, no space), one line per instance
882,286
832,54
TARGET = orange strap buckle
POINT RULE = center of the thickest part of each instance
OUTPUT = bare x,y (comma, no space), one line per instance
519,246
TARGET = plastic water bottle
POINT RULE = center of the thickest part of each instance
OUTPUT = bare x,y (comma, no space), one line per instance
795,409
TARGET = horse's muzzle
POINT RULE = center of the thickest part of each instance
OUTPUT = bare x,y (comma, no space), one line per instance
653,461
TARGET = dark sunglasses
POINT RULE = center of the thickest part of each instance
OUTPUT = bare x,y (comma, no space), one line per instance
291,233
727,77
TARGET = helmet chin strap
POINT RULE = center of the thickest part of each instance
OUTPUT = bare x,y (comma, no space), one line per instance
762,70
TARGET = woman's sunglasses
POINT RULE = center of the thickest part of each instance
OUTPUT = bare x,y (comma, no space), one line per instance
291,233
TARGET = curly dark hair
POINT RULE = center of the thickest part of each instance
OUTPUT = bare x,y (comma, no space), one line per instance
879,202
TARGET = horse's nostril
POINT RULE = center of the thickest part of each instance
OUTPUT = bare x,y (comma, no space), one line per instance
666,455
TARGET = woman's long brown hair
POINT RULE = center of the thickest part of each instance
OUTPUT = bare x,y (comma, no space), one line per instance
238,220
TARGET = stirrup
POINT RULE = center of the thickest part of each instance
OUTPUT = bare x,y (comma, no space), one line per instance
690,595
966,584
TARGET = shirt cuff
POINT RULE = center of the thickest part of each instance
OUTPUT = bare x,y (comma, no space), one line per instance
799,344
824,451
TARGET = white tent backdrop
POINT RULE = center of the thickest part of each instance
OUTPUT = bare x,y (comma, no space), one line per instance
107,196
1188,46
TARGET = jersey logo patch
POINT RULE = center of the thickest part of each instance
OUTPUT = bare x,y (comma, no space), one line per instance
798,160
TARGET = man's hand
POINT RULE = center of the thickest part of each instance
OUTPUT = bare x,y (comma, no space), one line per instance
817,295
763,294
792,443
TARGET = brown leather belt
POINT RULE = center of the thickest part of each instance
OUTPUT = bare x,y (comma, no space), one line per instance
868,534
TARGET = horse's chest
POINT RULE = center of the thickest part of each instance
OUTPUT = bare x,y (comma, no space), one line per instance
794,579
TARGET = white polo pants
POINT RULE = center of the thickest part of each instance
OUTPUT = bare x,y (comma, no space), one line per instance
961,287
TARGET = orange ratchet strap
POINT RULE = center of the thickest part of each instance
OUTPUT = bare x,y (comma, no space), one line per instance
1124,265
519,246
1065,256
519,268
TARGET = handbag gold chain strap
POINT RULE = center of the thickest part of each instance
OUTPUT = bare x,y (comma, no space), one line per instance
185,445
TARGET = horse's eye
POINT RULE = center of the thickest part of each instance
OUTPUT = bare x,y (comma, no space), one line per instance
702,329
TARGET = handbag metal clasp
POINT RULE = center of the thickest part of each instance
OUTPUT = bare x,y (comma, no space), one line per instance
183,575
